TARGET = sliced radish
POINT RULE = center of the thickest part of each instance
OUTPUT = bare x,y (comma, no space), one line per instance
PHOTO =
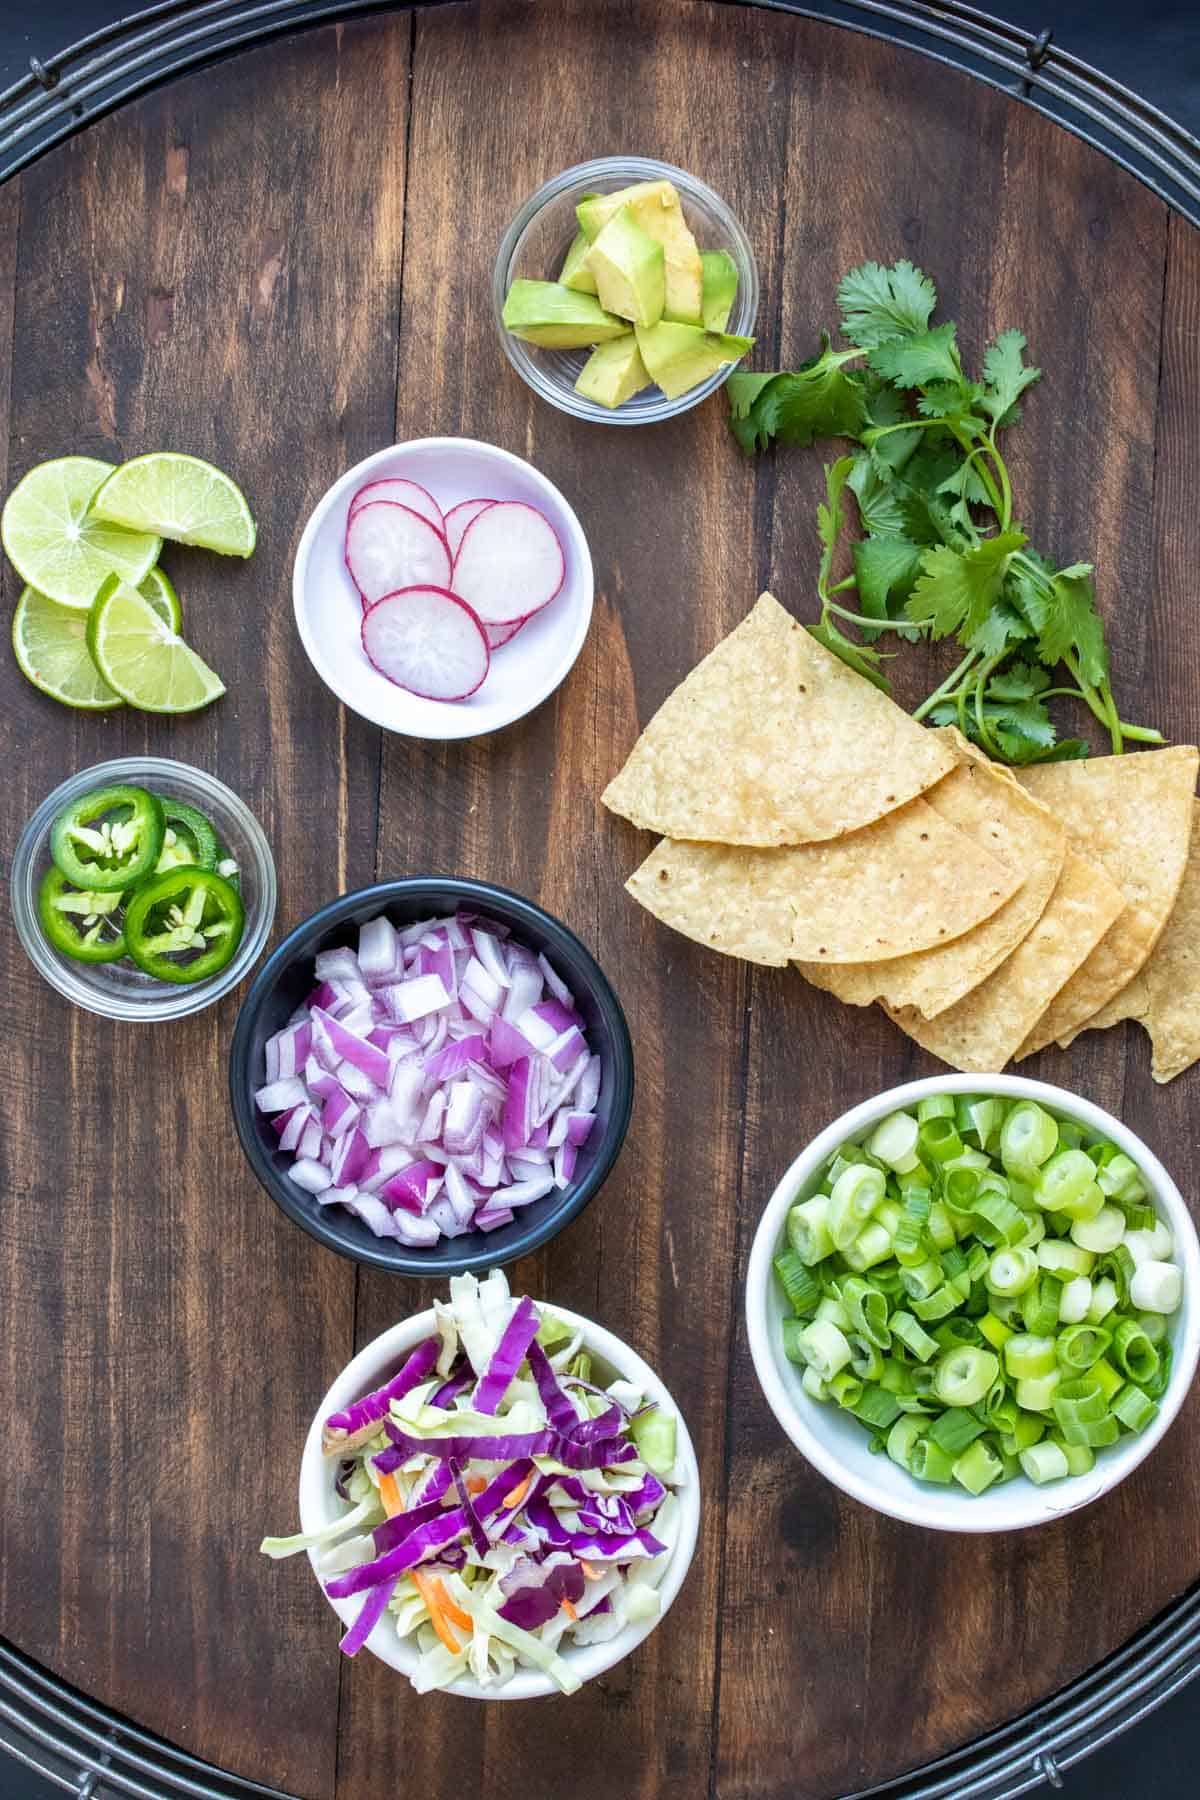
459,517
499,635
389,547
510,563
427,640
404,493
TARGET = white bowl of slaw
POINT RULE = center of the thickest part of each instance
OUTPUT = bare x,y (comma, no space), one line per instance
320,1505
837,1446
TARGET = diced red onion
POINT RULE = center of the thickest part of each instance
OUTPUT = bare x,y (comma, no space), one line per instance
437,1080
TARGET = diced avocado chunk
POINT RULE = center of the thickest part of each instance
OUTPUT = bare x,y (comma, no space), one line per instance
679,357
556,318
575,273
720,283
613,372
655,206
629,268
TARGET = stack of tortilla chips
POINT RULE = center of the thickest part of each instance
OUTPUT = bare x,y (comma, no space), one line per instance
806,818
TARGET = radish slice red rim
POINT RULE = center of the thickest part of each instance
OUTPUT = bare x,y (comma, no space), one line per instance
389,546
499,635
459,517
509,564
427,640
404,493
433,1082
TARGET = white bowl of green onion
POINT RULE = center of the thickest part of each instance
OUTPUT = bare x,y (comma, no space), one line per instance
974,1302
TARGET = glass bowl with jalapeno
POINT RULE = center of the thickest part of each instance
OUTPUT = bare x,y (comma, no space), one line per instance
143,889
973,1302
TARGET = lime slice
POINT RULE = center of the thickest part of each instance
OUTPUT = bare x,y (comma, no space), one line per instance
142,658
57,546
157,589
181,498
50,645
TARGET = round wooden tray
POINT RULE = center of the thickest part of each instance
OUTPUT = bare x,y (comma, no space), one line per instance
223,266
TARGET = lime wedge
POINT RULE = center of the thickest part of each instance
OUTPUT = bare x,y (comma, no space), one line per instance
50,645
157,589
181,498
142,658
57,546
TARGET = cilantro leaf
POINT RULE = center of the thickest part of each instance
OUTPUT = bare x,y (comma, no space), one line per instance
1020,680
815,401
879,304
1007,377
884,571
887,406
957,588
909,362
1061,607
1002,627
859,657
831,517
878,507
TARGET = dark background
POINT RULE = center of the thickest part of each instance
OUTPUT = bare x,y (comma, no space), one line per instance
1153,47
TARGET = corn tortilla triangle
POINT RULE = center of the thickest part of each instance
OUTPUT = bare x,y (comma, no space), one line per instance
909,880
771,740
1164,996
1133,815
986,802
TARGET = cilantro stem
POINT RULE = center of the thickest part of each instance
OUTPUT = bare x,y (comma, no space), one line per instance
985,475
947,689
874,624
1005,483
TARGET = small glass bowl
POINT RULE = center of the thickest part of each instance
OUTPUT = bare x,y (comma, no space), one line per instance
118,990
538,239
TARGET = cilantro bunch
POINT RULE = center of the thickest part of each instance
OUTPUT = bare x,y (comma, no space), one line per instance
940,554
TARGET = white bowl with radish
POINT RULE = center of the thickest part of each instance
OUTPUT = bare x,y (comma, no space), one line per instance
443,588
1151,1231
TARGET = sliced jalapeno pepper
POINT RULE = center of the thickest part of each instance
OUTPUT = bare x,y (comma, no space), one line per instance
188,839
109,839
82,924
184,924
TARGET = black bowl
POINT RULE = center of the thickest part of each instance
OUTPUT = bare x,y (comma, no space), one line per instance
285,980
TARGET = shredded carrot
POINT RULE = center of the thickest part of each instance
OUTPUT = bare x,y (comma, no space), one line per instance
434,1595
518,1493
389,1493
569,1610
590,1574
475,1484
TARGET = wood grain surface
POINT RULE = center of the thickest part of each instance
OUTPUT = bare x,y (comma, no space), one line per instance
281,263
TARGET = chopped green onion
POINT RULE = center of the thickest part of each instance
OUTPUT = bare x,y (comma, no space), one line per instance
1101,1233
1154,1325
1133,1352
939,1140
929,1462
1011,1271
994,1330
1080,1346
960,1189
978,1467
937,1305
865,1359
1103,1372
856,1194
871,1246
814,1385
1045,1462
954,1429
1028,1138
940,1226
808,1230
876,1408
1064,1259
1081,1458
1157,1386
1156,1287
1074,1301
1035,1393
912,1334
1104,1299
1027,1355
964,1375
793,1347
825,1346
1039,1304
1120,1178
903,1436
935,1106
798,1283
1065,1178
894,1141
1134,1408
1027,1429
